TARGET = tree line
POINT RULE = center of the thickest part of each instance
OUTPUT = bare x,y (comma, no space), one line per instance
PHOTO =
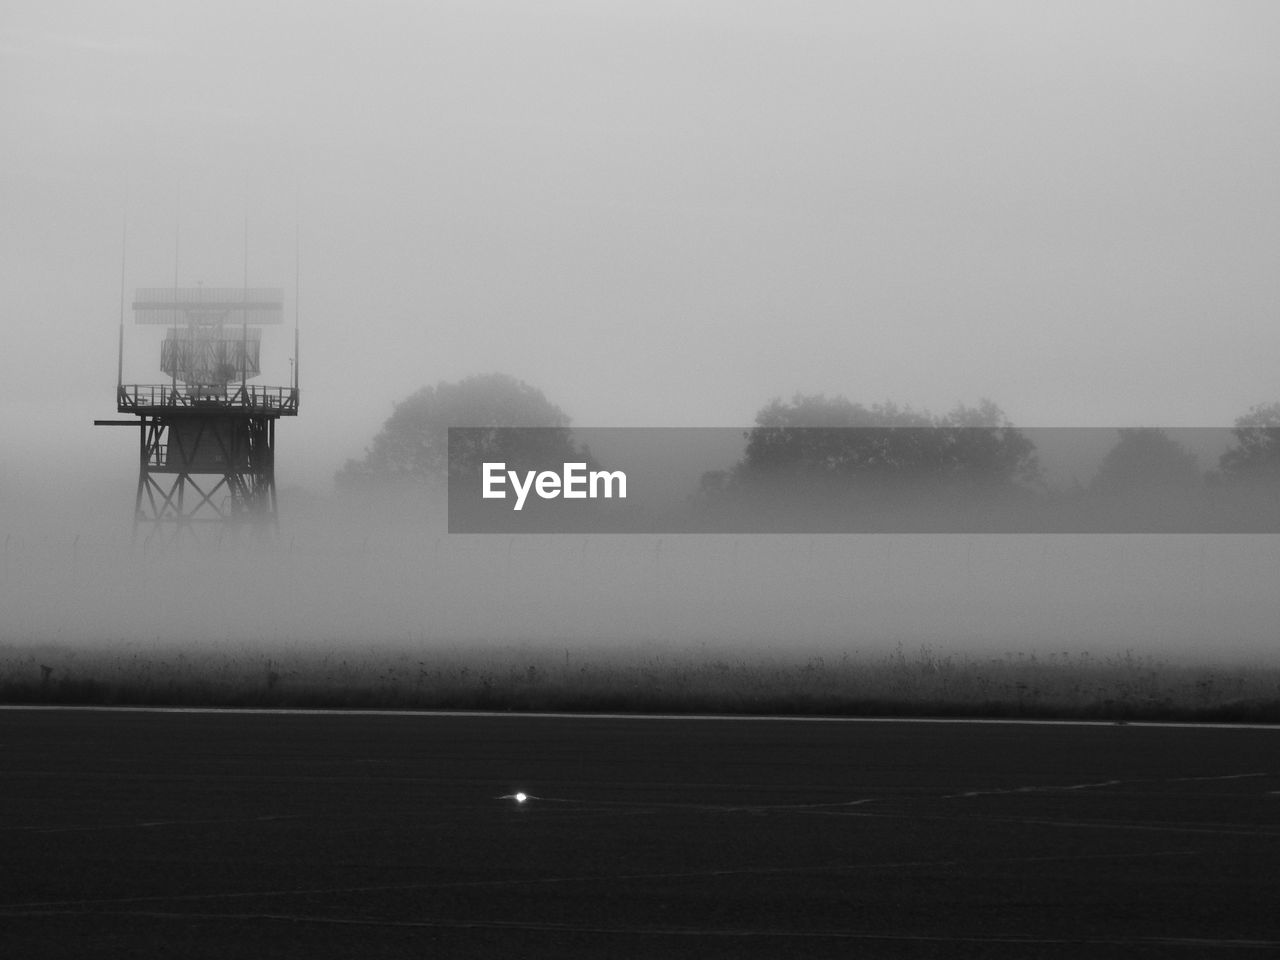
824,451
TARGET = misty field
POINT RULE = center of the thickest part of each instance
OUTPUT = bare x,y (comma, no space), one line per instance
367,615
900,683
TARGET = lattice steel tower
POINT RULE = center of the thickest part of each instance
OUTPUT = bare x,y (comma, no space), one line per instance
206,448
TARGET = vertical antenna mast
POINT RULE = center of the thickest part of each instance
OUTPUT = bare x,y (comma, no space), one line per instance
244,314
297,293
124,246
177,236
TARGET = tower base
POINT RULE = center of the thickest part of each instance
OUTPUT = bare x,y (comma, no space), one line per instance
205,475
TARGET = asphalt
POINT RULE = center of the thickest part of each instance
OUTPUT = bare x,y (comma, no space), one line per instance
226,834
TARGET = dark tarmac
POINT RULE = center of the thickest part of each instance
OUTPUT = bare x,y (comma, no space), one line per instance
225,834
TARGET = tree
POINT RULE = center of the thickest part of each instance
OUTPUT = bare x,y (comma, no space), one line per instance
1146,460
833,440
413,446
1255,457
825,463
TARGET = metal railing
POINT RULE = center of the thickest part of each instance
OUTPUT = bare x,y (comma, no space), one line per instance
137,398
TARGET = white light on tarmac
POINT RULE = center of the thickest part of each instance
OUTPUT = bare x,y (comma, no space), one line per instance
521,797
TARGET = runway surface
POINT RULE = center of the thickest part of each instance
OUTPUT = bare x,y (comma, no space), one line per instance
217,834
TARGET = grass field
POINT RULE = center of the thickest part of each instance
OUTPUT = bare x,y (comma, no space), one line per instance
649,680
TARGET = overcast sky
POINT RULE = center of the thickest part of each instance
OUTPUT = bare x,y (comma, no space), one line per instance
659,213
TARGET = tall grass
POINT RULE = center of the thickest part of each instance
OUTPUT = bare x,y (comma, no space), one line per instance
902,682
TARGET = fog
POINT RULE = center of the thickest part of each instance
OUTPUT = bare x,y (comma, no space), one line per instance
385,581
660,215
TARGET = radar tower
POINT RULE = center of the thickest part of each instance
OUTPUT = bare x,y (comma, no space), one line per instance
206,449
